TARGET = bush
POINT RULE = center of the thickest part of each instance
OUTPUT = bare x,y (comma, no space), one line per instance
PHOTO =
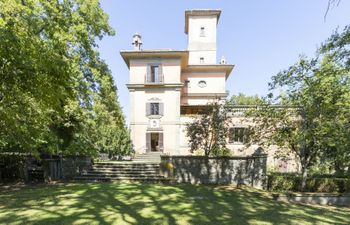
12,166
292,182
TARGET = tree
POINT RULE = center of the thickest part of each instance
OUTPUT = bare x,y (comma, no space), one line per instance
242,99
53,81
318,91
337,49
209,130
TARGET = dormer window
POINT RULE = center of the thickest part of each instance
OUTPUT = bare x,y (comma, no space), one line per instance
201,60
202,32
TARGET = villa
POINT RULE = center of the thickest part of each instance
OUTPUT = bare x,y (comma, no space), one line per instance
168,87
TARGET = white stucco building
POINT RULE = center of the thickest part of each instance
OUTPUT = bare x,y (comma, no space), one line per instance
167,87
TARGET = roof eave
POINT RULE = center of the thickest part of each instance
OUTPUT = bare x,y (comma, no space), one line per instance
201,12
127,54
214,67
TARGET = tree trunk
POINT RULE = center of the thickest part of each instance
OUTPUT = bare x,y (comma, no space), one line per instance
303,177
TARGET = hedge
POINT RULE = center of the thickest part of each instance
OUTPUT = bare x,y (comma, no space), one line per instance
292,182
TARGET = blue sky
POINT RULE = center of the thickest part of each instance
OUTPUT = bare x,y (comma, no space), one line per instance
259,37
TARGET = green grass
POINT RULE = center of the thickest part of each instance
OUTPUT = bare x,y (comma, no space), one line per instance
111,203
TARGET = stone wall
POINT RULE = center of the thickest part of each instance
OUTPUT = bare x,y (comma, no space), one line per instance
249,170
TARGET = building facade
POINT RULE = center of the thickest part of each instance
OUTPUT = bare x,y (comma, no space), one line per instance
168,87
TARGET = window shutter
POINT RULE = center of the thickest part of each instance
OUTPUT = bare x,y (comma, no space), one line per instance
160,73
148,109
148,75
160,141
161,109
148,142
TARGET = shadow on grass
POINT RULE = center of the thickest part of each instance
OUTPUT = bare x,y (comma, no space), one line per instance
108,203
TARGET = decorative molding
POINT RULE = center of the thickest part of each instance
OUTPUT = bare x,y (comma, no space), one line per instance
204,94
154,99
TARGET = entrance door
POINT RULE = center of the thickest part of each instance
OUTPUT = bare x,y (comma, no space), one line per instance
154,142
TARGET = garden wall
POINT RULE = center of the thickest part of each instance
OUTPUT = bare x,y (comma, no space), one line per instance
249,170
25,167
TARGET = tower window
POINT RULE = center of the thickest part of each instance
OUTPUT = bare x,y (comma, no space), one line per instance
202,32
201,60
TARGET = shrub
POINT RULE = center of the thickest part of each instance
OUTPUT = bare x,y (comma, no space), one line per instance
12,166
292,182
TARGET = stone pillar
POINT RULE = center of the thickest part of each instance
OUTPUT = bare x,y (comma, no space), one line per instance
259,178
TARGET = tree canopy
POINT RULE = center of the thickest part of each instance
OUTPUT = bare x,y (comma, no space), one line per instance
56,93
317,126
208,131
242,99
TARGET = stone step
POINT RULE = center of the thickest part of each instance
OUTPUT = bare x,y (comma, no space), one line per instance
143,176
126,167
123,172
147,160
131,163
127,179
147,157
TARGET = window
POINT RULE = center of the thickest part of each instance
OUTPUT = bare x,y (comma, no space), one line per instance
202,32
154,108
238,134
201,60
154,74
202,84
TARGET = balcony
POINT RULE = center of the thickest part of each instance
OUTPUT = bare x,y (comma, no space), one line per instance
154,79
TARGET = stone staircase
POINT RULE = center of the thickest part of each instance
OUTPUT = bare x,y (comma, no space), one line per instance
123,171
148,157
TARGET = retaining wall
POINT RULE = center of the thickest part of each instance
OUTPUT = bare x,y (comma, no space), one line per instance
249,170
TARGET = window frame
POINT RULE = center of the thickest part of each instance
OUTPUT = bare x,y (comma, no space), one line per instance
154,73
153,109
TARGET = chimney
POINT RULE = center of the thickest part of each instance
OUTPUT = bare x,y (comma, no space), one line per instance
136,42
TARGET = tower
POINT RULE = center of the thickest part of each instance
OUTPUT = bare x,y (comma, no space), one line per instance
200,26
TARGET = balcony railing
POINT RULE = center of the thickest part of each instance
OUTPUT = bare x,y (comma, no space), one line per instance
154,79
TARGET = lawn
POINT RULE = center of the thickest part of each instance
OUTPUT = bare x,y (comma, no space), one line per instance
109,203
